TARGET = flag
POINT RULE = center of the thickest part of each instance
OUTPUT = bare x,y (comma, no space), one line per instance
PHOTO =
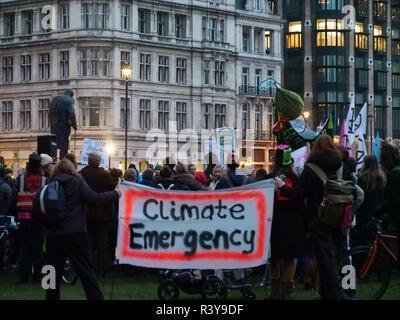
377,146
350,122
330,126
361,152
344,138
360,124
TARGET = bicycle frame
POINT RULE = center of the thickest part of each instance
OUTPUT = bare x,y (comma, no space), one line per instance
371,257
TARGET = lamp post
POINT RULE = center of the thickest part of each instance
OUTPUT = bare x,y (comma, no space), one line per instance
126,73
109,150
370,120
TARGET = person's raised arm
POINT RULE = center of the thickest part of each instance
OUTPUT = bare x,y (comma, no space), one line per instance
89,196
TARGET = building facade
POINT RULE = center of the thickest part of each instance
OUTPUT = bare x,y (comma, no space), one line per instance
345,49
196,65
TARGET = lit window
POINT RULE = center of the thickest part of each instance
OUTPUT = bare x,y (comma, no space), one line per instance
293,38
295,26
267,42
361,39
330,37
377,30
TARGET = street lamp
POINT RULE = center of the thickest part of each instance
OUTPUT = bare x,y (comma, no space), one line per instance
109,150
126,73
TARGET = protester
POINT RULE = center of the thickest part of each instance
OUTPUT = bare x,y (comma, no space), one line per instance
99,216
347,172
328,240
261,174
8,173
138,174
5,194
288,231
372,181
130,175
183,180
217,174
192,169
201,177
165,182
157,170
148,178
47,164
69,238
231,179
31,232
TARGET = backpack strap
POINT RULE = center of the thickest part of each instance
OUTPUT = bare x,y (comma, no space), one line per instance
318,171
43,181
169,188
21,183
228,181
245,179
162,187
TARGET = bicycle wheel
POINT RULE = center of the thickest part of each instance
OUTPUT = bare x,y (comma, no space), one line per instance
373,285
69,274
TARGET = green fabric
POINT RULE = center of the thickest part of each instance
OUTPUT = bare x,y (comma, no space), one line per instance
289,103
287,157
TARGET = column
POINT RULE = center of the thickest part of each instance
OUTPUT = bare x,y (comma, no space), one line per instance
307,34
389,92
371,89
54,65
252,40
75,14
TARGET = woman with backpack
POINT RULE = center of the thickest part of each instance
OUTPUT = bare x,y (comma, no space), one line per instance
372,181
328,240
68,238
165,182
31,232
288,233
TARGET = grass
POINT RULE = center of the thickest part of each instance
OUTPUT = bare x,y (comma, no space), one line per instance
142,285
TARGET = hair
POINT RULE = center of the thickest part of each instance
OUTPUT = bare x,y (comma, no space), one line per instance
370,171
201,177
130,175
389,156
232,164
165,172
116,174
261,174
323,145
148,174
33,167
71,157
344,152
7,171
218,166
67,167
180,168
132,166
191,165
94,159
352,164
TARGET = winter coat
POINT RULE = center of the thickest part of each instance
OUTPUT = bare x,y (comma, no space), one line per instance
166,184
100,181
392,198
148,183
62,118
237,181
77,195
5,197
185,181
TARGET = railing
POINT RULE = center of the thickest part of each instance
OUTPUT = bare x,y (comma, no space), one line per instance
259,135
255,91
380,44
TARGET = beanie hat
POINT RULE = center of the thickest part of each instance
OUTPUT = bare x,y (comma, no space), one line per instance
158,167
94,158
34,160
46,159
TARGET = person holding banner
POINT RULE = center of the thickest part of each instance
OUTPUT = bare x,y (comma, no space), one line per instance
288,234
69,238
328,241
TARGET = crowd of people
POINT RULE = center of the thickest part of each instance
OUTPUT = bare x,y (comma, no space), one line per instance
88,236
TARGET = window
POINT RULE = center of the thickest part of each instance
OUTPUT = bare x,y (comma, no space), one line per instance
380,8
207,116
361,39
125,58
94,62
396,14
212,25
207,72
246,116
163,69
181,116
27,22
125,17
180,26
258,77
25,115
379,39
162,23
246,40
293,38
8,68
105,63
329,75
163,115
64,16
122,117
44,66
44,105
220,115
145,67
9,24
180,70
267,38
362,7
94,112
245,77
83,63
362,78
330,36
257,5
64,64
336,5
95,15
26,68
7,115
219,73
222,31
144,114
270,6
258,125
204,28
396,81
144,21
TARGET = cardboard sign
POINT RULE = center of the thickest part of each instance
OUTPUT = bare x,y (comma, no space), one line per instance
89,146
195,230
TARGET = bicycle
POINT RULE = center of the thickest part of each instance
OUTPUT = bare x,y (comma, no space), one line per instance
69,274
7,224
371,267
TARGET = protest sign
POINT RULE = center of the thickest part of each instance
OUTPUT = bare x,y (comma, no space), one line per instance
195,230
226,141
300,157
89,146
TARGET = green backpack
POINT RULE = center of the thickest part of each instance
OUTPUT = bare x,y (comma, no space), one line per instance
338,195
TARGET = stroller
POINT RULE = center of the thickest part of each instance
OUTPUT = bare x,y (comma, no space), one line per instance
202,282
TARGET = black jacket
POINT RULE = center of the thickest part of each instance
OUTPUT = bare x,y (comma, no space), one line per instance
372,204
311,187
166,184
185,181
77,194
392,198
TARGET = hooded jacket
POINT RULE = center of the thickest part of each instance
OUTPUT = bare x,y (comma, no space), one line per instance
310,186
77,195
237,181
185,181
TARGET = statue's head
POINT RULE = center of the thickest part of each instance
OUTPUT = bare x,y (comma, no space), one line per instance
69,92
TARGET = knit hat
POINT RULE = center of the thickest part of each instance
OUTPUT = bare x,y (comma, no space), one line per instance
158,167
46,159
34,160
286,154
94,158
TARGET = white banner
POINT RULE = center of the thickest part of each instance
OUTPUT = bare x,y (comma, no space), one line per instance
300,157
350,121
89,146
360,125
228,229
